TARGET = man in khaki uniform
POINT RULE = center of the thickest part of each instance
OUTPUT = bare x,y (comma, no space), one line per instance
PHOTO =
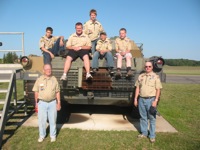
78,45
47,101
148,88
51,45
123,47
103,48
93,28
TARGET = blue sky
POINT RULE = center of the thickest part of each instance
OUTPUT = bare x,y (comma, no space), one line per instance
167,28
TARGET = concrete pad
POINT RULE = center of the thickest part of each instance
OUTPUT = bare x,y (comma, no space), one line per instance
107,122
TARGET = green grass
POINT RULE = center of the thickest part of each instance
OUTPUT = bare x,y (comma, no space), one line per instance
182,70
19,91
179,105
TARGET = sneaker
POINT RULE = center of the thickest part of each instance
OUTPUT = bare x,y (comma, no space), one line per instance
152,140
63,78
141,136
88,76
129,73
118,73
94,70
53,139
111,71
41,139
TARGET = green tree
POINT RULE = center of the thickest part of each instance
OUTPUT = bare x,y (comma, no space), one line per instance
9,58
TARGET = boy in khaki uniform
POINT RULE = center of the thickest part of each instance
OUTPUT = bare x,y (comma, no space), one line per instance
148,88
93,28
123,47
103,49
51,45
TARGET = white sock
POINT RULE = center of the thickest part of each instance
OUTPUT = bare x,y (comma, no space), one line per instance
64,74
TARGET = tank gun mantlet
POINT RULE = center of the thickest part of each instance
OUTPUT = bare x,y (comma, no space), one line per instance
32,63
158,63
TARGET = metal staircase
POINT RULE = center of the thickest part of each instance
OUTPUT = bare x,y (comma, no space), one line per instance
8,77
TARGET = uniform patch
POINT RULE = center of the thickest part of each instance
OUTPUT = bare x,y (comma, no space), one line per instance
41,86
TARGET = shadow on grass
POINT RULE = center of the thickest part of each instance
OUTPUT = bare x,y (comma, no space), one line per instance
15,122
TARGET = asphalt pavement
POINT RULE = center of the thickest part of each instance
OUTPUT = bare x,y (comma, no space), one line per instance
186,79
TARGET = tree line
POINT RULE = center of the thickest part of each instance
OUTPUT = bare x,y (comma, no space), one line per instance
181,62
11,57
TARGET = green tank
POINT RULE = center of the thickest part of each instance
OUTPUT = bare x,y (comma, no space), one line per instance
103,89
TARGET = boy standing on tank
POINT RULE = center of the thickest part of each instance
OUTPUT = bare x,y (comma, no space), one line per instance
93,28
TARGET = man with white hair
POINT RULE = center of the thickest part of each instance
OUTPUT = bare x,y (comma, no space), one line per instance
147,93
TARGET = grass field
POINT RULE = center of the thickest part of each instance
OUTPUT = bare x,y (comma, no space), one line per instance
179,105
182,70
19,91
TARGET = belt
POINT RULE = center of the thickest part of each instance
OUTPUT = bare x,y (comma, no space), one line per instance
148,97
47,101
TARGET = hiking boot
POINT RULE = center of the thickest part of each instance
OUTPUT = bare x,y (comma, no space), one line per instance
140,136
41,139
129,73
152,140
63,78
53,139
88,76
118,74
94,70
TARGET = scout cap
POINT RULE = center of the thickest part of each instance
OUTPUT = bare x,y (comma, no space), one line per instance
104,33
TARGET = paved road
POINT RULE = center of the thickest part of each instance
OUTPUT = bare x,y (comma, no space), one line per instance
194,79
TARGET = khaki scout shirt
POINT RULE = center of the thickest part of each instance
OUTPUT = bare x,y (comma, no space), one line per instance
123,44
104,45
47,43
75,40
95,28
148,83
46,88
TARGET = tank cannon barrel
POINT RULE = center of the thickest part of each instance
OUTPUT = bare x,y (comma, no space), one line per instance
158,63
25,61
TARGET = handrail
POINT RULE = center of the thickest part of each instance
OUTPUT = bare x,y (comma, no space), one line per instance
4,117
16,33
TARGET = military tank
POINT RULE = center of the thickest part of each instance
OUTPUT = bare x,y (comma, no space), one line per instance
103,89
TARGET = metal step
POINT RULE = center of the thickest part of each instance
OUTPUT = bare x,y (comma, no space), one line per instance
2,101
4,80
3,90
4,71
5,77
9,112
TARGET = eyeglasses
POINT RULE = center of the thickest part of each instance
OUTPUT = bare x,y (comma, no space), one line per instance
148,66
